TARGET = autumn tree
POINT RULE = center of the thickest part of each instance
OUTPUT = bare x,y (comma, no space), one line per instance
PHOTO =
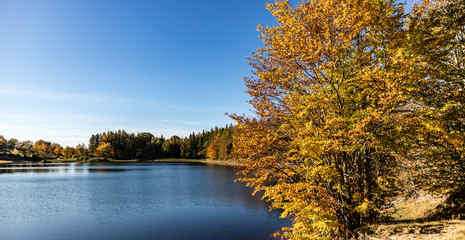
224,141
105,150
25,147
144,145
57,149
218,142
330,97
81,149
436,44
212,150
8,145
3,143
42,148
68,152
12,144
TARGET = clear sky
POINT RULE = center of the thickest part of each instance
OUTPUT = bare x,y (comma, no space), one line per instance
73,68
69,69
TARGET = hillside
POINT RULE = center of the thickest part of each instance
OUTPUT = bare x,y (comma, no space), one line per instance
424,216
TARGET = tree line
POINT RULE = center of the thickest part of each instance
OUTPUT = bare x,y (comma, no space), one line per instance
215,143
355,102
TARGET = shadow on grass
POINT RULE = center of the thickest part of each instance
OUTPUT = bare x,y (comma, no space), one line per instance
424,217
453,208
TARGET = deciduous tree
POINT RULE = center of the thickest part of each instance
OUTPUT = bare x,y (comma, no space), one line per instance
330,96
57,149
3,143
42,148
437,44
105,150
68,152
212,150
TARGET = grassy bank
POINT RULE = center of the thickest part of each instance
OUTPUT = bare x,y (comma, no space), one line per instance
421,217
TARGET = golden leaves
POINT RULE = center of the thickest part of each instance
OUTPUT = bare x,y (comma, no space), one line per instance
331,90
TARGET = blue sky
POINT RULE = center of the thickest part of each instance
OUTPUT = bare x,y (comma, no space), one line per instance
73,68
69,69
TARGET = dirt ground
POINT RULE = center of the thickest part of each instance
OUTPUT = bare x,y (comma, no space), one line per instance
417,218
446,229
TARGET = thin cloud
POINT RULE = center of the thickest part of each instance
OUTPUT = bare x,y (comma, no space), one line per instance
189,123
150,103
46,94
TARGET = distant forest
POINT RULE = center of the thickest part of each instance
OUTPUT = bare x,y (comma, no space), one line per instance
215,143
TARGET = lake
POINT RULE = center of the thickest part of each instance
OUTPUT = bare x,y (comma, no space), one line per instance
130,201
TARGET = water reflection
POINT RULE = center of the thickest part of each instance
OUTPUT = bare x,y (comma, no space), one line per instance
64,168
130,201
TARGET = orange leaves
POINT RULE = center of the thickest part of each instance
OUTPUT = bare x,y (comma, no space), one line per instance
344,94
327,88
42,147
212,150
314,219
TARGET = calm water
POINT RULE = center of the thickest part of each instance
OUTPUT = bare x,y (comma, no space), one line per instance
130,201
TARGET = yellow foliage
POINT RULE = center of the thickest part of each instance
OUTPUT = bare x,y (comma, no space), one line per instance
105,149
328,88
212,150
68,152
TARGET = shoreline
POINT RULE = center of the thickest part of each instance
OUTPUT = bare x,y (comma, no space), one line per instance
228,163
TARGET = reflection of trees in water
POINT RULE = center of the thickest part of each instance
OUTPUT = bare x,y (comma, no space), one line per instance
156,200
213,182
221,185
31,168
59,168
